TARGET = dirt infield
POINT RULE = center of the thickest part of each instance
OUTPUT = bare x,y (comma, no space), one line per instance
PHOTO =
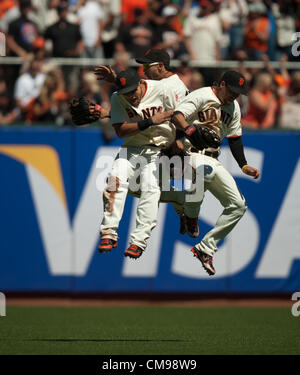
213,302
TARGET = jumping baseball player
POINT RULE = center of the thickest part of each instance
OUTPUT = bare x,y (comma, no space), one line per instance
156,66
139,113
217,107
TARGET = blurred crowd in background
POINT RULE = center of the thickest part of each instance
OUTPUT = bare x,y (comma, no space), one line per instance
205,31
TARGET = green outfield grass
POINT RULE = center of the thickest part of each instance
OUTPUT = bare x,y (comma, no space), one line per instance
149,330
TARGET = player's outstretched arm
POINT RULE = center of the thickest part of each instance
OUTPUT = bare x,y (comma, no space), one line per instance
237,150
105,73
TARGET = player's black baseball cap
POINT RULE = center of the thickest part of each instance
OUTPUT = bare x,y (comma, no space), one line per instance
154,56
235,81
127,80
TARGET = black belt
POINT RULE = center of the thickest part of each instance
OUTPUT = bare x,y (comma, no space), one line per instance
213,154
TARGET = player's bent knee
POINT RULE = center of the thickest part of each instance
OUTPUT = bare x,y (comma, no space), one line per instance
241,207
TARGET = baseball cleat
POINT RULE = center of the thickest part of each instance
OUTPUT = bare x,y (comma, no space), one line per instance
106,245
182,229
205,259
133,251
192,226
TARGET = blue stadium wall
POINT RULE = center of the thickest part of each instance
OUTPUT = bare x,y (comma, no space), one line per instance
51,209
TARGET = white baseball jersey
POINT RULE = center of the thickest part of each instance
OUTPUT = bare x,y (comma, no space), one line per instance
160,95
204,107
177,86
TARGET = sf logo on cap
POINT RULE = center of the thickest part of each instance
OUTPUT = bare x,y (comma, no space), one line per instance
123,81
241,82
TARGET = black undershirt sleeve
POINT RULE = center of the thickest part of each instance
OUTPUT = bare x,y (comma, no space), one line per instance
237,150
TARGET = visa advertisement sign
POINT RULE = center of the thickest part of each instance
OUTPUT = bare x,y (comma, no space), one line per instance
51,210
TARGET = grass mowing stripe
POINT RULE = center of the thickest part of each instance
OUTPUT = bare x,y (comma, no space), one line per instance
149,330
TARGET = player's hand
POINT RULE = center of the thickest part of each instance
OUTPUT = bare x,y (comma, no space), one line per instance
161,117
94,108
106,73
250,171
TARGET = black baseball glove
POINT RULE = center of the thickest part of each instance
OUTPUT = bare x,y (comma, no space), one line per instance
202,137
84,111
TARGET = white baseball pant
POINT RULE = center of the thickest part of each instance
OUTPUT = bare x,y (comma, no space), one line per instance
130,163
225,189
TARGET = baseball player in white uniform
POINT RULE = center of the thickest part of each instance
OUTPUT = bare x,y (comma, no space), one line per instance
217,107
137,114
156,66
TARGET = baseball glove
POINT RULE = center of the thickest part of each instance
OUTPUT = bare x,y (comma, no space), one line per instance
211,138
202,137
83,111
